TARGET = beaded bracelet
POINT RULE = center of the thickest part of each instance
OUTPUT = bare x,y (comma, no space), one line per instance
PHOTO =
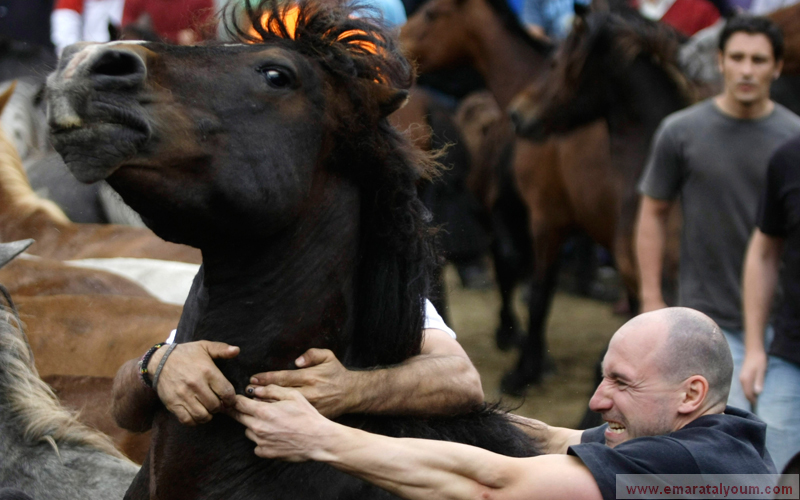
161,365
143,364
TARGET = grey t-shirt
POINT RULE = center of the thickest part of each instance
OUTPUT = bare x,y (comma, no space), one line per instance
717,165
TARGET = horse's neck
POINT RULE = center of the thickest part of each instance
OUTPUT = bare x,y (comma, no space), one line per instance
277,297
653,94
505,60
650,94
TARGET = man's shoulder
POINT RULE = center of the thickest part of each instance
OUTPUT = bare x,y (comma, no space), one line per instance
786,118
688,122
695,114
733,433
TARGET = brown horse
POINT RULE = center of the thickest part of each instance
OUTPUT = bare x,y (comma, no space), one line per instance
275,158
622,70
93,334
35,276
557,200
788,19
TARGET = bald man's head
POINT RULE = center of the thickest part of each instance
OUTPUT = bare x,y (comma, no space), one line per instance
695,345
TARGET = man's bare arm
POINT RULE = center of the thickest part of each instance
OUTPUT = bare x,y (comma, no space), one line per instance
133,404
549,439
651,237
289,428
760,279
441,380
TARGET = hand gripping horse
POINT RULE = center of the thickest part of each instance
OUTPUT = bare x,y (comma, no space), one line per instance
274,157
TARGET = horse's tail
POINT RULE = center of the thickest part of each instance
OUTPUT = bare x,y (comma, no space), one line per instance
18,201
31,404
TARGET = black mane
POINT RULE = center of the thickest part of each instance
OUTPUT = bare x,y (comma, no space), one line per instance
396,250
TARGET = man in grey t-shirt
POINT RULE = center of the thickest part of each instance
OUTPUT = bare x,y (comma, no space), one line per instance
714,156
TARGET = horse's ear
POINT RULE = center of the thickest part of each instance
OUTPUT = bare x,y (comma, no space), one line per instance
6,95
389,99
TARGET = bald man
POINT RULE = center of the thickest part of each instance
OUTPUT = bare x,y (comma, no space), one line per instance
666,379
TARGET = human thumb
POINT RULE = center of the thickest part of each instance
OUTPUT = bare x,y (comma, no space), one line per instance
313,357
221,350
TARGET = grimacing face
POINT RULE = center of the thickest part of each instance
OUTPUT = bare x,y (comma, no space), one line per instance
748,67
634,398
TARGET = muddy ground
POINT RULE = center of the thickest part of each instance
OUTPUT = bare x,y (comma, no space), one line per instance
578,331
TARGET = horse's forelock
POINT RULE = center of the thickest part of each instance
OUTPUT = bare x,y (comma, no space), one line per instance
348,39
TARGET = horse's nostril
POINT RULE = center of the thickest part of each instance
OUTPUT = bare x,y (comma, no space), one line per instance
118,67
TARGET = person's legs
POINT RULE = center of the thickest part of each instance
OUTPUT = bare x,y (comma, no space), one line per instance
779,406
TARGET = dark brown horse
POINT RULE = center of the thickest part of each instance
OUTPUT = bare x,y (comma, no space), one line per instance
274,158
539,201
624,71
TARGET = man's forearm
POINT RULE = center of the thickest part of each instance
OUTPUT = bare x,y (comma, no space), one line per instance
134,404
550,440
760,280
416,468
651,237
423,385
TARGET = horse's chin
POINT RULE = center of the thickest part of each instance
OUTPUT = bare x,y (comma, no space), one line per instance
95,152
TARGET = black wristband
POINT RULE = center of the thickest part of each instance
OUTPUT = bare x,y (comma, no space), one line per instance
143,364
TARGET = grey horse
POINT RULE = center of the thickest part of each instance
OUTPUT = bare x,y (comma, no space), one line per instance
45,452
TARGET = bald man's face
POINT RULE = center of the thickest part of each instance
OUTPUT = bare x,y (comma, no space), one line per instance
634,397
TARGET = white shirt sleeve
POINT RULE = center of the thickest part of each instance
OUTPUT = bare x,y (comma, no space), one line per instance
66,28
433,320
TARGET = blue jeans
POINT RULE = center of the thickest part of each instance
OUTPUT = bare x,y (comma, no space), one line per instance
779,407
736,343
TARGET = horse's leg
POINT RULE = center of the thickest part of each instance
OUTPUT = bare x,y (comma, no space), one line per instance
531,364
512,254
623,251
507,263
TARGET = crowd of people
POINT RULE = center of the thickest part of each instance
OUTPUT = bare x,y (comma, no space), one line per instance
706,388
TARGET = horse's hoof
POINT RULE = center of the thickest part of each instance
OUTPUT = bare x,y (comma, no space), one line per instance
516,383
507,338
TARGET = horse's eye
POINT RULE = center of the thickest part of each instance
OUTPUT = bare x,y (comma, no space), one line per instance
276,78
431,15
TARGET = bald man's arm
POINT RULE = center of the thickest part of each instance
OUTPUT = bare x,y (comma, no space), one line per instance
549,439
290,428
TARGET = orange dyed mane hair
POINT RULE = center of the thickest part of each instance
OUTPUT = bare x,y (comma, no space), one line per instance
357,41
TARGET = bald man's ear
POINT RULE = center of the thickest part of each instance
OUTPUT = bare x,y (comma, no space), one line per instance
695,391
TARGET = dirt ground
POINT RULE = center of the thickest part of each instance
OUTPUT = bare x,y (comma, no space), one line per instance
577,332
